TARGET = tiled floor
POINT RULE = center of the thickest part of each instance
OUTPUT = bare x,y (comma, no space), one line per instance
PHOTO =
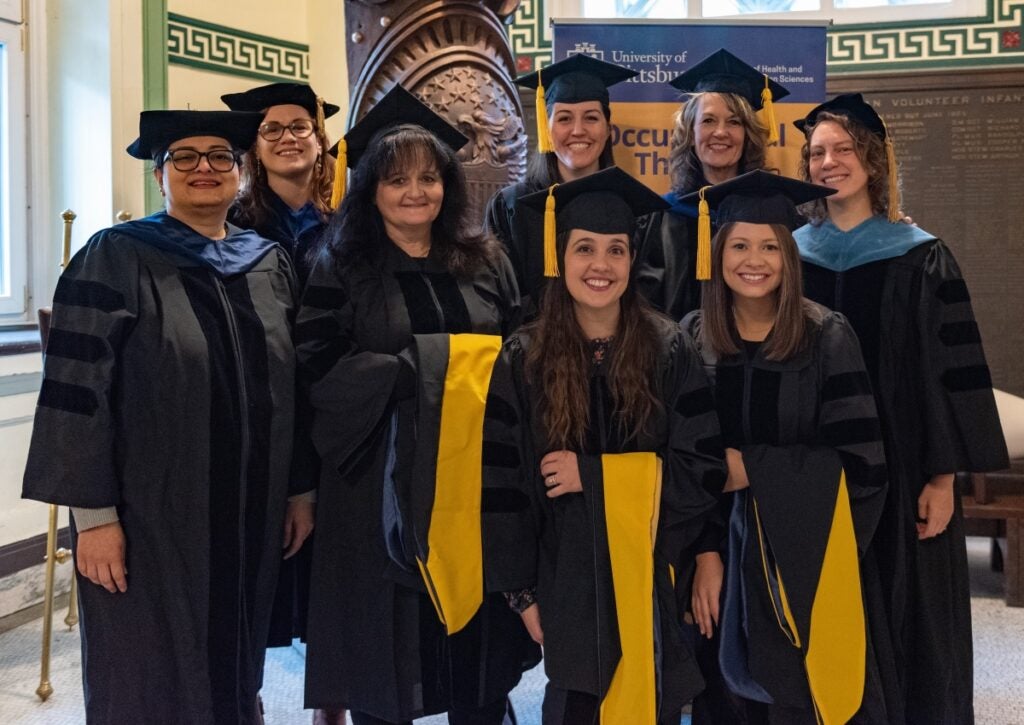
998,650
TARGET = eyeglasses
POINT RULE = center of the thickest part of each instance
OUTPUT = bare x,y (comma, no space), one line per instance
273,131
188,159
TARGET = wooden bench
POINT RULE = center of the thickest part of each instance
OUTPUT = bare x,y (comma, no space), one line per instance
994,507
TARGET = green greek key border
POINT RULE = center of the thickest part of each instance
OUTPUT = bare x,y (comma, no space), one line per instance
207,46
530,35
993,39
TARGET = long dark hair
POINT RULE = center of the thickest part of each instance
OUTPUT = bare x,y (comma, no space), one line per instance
789,332
542,168
357,231
254,206
559,357
685,170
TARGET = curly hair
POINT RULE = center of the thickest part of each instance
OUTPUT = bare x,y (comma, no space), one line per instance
542,168
559,357
357,231
871,153
253,204
685,170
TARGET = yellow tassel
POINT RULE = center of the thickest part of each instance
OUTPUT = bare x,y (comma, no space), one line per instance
550,250
340,170
703,238
895,213
769,113
544,143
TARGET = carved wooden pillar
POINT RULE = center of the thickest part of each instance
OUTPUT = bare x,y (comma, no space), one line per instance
456,58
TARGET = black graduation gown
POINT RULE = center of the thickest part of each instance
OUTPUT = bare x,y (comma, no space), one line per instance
666,265
522,233
559,547
796,422
913,316
375,643
298,233
167,392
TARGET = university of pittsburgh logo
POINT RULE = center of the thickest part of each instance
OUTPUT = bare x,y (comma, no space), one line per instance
586,49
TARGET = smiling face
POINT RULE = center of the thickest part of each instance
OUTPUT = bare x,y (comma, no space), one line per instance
833,161
718,135
409,199
596,271
201,190
752,261
288,156
579,132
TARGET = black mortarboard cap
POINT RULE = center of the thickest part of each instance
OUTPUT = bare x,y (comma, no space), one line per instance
278,94
847,104
758,197
605,202
159,129
576,79
723,72
397,107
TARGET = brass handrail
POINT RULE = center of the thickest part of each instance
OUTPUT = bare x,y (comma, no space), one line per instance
55,555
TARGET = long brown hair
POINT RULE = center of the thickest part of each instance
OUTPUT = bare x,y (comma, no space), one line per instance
789,332
254,197
559,357
685,170
870,150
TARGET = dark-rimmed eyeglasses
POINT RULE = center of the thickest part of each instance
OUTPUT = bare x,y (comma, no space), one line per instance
273,131
186,159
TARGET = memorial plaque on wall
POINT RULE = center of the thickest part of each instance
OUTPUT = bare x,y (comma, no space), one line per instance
960,142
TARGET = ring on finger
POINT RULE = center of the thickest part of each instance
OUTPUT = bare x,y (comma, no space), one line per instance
552,481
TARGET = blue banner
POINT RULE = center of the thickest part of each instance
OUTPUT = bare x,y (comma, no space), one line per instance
643,107
793,56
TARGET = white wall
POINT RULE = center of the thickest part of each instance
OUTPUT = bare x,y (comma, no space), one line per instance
327,67
19,519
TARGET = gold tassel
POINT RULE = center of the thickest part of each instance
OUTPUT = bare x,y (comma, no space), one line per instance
544,143
769,113
895,213
340,169
703,238
550,250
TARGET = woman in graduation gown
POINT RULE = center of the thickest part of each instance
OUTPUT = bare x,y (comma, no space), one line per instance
806,476
574,139
717,136
903,293
165,421
400,272
286,196
287,185
602,457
